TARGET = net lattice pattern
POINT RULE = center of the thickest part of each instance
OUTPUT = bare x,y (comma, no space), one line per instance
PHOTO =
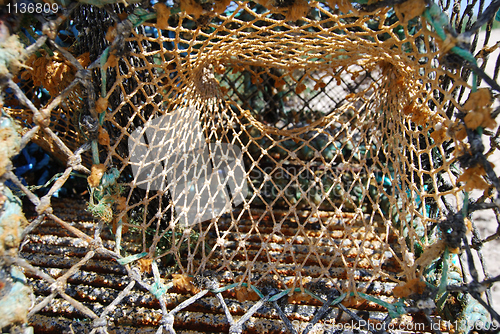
300,163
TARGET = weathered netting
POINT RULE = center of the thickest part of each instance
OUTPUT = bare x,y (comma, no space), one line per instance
354,132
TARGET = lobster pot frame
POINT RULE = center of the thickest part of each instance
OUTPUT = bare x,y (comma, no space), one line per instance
278,166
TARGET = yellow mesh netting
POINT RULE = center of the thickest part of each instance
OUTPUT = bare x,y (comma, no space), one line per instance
302,146
360,172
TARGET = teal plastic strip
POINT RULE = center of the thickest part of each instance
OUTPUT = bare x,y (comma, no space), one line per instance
95,152
395,310
312,294
279,295
465,207
338,299
110,177
225,288
257,291
158,289
441,294
131,258
438,20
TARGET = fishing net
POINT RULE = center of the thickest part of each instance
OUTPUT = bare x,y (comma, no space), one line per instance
271,166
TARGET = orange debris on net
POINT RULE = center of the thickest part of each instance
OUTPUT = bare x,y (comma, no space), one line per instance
192,7
245,294
145,265
162,15
298,10
111,33
96,173
344,5
479,110
300,88
103,137
413,286
53,73
473,178
221,5
420,114
409,9
184,282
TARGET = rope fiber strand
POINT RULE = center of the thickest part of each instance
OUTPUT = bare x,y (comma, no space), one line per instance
277,166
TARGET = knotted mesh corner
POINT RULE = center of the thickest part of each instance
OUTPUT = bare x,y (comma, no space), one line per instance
247,167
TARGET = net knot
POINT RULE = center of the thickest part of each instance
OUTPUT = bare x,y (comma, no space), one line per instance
83,75
158,289
168,321
57,286
74,161
100,322
42,118
44,206
207,281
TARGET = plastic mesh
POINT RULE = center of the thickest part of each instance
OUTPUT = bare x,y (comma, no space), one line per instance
261,157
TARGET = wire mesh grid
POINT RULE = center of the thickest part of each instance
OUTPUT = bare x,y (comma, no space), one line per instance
72,266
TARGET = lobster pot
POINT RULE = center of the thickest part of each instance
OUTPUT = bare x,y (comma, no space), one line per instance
244,167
